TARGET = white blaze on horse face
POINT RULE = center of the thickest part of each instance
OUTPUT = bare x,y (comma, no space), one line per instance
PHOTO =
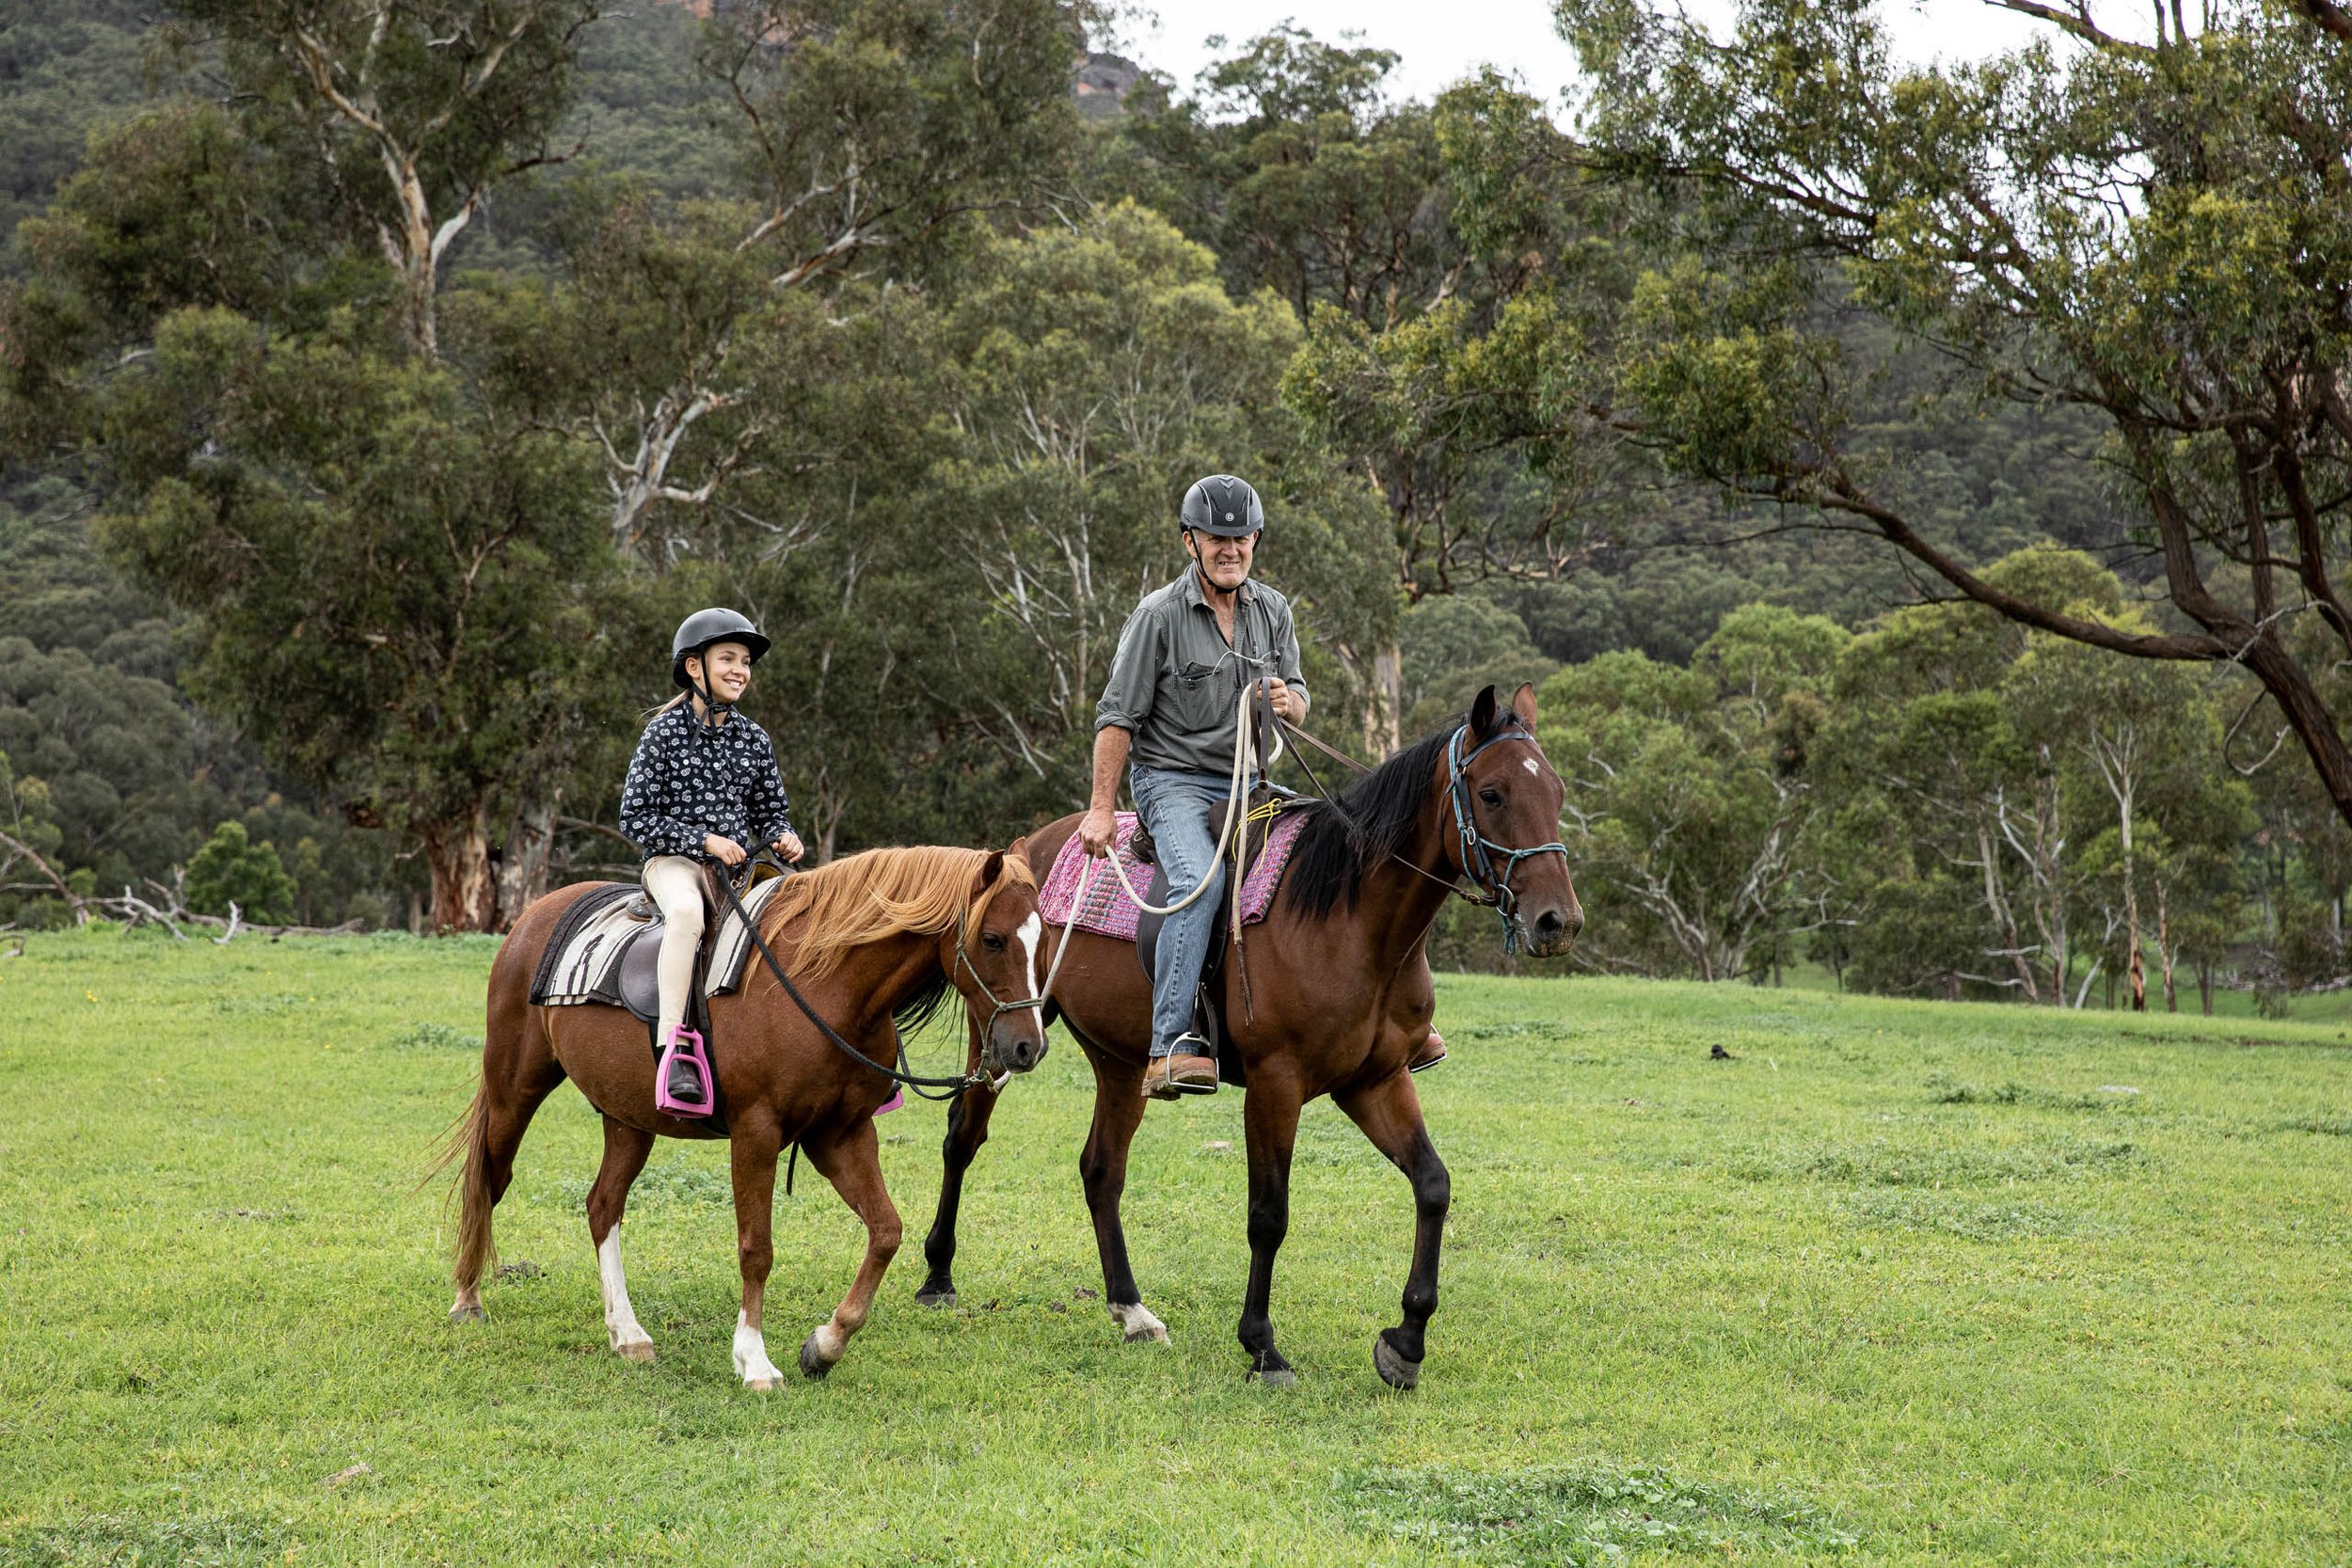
1030,931
1529,763
620,1319
751,1356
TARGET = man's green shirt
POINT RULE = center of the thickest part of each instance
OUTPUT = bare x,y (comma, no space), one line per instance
1175,683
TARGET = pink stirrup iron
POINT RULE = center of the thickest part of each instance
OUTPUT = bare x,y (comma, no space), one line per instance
687,1043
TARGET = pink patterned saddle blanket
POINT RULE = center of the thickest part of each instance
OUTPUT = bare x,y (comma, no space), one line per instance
1107,911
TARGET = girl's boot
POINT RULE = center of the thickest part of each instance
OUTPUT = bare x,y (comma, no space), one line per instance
683,1086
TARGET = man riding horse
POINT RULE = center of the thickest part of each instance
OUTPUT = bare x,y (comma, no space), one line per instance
1167,716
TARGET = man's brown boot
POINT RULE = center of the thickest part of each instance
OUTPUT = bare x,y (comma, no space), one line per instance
1432,1052
1173,1076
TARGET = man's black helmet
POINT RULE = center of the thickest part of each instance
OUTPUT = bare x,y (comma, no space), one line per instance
1225,506
703,628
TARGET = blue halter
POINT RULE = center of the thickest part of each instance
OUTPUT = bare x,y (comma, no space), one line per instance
1475,850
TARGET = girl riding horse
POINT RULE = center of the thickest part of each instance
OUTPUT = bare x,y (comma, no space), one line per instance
701,785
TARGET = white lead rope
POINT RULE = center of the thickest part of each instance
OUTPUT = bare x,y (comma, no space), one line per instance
1235,799
1236,795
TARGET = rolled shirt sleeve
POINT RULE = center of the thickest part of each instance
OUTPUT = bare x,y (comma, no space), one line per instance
1285,651
1135,673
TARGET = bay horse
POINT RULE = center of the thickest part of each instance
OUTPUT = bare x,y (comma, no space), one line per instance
876,942
1339,998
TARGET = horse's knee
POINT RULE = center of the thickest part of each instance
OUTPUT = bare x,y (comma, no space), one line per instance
1433,1187
756,1256
884,1235
1098,1172
1269,1219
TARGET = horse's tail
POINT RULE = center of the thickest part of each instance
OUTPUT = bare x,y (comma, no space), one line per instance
471,1134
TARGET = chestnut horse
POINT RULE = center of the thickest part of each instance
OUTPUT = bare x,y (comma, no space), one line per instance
875,942
1338,999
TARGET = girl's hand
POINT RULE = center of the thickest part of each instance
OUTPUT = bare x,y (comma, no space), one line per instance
790,847
725,851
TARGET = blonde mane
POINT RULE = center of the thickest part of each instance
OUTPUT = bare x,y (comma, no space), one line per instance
881,892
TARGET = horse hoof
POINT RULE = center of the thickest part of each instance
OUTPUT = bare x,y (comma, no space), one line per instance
1394,1370
936,1298
1138,1324
636,1350
812,1366
1277,1377
467,1313
760,1384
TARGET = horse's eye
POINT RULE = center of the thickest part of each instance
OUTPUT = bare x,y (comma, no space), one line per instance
994,944
1492,796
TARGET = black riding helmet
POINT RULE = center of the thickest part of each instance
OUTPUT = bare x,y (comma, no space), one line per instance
1223,505
699,630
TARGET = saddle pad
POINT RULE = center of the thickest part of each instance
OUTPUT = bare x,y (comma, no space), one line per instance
582,964
1107,911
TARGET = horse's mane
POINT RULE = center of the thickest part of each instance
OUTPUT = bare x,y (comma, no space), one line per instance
885,893
1331,860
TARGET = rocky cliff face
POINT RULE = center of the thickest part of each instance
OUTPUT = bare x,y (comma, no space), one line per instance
1102,84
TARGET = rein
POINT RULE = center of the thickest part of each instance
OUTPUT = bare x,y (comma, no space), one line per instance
921,1086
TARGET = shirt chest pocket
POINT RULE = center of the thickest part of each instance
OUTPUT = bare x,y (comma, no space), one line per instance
1201,698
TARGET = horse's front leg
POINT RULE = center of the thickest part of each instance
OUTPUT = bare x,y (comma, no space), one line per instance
1270,1121
967,1129
1102,1168
625,1151
753,1144
1390,1114
851,1161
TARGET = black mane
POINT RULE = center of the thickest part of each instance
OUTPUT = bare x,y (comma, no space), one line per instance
1330,862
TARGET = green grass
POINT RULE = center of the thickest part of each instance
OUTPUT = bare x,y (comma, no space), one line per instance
1902,1283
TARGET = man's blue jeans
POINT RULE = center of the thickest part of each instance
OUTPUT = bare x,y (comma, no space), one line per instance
1176,807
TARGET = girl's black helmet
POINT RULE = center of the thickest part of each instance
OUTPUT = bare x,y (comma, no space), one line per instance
1223,505
703,628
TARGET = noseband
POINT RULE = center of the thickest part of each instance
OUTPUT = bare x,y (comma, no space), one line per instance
993,1072
1475,850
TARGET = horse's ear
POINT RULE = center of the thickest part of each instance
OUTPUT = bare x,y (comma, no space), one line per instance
1523,704
1482,717
991,869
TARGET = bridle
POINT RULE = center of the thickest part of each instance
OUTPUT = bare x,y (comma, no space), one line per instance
1474,850
995,1079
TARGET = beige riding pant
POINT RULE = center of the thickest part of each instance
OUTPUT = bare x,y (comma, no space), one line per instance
675,884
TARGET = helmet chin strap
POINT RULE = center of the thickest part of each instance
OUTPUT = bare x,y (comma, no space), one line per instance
1201,569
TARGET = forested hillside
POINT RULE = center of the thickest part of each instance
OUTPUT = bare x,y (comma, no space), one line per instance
361,446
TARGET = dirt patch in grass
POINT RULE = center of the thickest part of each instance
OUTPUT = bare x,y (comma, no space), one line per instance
1580,1514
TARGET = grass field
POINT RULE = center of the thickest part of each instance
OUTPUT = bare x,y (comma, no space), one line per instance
1902,1283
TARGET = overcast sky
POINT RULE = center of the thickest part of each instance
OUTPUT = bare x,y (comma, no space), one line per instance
1443,41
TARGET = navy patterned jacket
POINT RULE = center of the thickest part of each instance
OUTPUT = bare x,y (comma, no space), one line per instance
688,779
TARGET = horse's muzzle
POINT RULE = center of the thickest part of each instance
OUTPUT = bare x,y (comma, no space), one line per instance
1553,931
1013,1048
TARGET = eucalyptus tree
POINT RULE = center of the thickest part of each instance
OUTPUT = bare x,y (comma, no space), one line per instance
1694,812
2150,229
1099,370
388,576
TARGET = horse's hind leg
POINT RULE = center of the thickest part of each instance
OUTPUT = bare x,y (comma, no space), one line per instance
625,1149
753,1145
968,1130
852,1162
518,1072
1390,1114
1102,1167
1270,1121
